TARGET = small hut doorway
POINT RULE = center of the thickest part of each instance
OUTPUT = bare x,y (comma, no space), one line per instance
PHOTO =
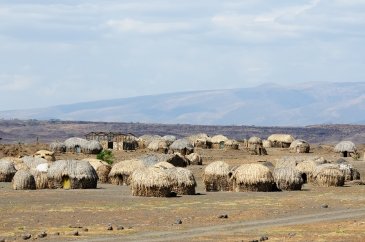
221,145
110,144
66,182
344,154
77,149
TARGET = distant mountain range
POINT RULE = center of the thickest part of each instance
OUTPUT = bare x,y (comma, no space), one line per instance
265,105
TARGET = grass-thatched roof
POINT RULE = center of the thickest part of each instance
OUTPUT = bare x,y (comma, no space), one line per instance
151,182
216,139
57,147
86,146
33,162
282,138
80,173
183,180
121,171
175,159
164,165
182,145
216,176
23,180
146,139
266,143
254,140
288,178
101,167
217,168
347,146
253,177
169,139
194,159
328,175
300,146
18,163
158,145
7,171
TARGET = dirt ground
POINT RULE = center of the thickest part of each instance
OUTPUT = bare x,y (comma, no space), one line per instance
279,216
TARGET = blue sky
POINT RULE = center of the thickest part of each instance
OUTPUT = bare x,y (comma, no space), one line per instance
59,52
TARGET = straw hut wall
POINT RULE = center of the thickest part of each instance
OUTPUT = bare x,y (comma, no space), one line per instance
151,182
40,176
231,144
45,154
349,172
101,167
327,175
159,145
307,169
182,146
7,171
200,140
23,180
79,145
300,146
281,140
32,162
72,174
169,139
288,178
216,177
58,147
120,172
219,141
183,181
18,163
175,159
253,177
266,143
346,148
194,159
145,140
255,146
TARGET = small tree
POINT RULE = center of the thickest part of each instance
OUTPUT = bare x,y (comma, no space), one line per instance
106,155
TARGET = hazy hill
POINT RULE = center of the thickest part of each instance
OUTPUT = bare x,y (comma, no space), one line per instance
268,105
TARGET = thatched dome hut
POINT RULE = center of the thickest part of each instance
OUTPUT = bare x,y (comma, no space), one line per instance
216,177
146,139
307,169
349,171
18,163
159,145
163,165
23,180
255,146
346,148
231,144
101,167
151,182
175,159
79,145
169,139
266,143
281,140
253,177
40,176
200,140
219,141
45,154
120,172
327,175
194,159
183,181
58,147
182,146
300,146
32,162
72,174
7,171
288,178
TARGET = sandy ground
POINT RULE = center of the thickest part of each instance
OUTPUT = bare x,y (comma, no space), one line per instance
280,216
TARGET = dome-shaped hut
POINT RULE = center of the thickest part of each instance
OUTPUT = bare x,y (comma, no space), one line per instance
327,175
266,143
281,140
194,159
146,139
288,178
200,140
182,146
255,146
58,147
101,167
346,148
175,159
7,171
120,172
32,162
23,180
300,146
79,145
231,144
219,141
169,139
183,181
159,145
252,177
349,171
45,154
151,182
216,177
72,174
18,163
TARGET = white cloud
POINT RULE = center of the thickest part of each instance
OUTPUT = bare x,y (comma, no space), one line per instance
132,25
14,83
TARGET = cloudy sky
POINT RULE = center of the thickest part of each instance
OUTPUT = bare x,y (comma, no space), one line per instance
59,52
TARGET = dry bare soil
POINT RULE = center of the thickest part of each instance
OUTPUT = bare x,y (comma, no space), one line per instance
280,216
